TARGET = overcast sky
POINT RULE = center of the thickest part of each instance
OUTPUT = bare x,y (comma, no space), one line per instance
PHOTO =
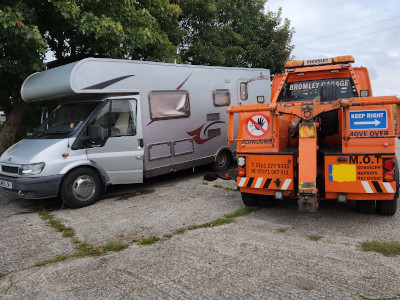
369,30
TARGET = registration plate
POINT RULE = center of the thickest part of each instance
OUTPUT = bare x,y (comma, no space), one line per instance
6,184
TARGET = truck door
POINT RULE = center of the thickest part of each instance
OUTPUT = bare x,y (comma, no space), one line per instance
121,153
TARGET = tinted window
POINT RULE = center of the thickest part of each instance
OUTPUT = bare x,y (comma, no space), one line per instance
310,90
169,104
221,97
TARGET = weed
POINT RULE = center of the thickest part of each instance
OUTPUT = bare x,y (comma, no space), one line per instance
225,188
115,246
148,241
56,224
205,183
314,237
55,259
384,248
179,230
2,275
281,229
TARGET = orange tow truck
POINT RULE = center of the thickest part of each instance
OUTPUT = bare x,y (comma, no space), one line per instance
323,136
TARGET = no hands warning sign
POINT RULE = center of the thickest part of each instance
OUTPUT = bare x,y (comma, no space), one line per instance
257,125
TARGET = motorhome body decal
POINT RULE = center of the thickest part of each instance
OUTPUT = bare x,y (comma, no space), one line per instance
107,83
181,85
262,77
196,134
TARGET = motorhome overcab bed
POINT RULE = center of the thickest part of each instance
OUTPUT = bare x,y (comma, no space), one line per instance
122,121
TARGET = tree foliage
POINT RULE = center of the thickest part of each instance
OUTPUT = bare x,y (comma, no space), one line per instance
205,32
140,29
234,33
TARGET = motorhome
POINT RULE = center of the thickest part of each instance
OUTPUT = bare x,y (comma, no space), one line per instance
121,121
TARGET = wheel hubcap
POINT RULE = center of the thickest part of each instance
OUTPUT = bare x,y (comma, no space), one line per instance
84,187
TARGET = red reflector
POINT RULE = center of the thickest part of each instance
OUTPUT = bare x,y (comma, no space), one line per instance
241,172
388,164
388,177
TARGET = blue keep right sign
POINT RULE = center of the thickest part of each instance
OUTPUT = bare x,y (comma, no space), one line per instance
368,119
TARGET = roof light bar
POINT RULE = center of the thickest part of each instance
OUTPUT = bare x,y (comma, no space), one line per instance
319,62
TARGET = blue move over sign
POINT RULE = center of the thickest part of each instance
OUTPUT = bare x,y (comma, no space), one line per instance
368,119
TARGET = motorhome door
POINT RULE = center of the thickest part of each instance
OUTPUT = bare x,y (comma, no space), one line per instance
120,154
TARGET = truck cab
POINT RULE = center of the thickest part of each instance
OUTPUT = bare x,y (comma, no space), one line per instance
323,136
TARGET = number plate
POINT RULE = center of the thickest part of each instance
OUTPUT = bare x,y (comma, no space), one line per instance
6,184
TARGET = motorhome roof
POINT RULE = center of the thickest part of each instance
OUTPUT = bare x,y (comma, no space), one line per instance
95,76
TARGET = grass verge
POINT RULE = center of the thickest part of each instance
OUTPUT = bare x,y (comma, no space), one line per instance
83,249
314,237
384,248
149,240
226,219
225,188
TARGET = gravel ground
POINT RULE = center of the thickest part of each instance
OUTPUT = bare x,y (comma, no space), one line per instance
264,255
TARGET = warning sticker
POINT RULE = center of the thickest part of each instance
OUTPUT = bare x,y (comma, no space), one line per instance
257,125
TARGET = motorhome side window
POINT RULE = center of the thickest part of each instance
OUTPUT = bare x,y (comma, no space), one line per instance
221,98
169,105
243,91
117,118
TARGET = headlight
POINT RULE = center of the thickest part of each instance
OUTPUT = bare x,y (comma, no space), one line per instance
241,161
31,169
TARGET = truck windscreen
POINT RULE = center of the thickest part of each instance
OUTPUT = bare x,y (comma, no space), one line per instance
310,90
65,119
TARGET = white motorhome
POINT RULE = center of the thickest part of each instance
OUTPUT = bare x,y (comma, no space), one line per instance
122,121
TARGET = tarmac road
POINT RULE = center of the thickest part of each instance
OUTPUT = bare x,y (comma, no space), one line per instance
264,255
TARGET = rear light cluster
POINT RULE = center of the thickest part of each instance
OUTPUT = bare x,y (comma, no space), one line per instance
241,169
388,170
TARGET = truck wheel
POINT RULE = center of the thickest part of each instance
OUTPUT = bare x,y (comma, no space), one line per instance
365,206
249,199
386,207
81,187
267,200
222,161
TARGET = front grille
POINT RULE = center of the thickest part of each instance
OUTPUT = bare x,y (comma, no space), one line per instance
8,169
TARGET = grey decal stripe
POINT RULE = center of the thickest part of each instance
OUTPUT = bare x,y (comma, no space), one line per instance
107,83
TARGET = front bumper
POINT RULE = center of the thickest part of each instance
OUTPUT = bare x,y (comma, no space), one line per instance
33,187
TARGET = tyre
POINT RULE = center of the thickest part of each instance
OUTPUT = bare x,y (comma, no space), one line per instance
386,207
365,206
249,199
267,200
329,92
222,161
81,187
329,120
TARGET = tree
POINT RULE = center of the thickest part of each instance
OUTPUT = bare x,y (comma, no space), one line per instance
22,51
234,33
134,29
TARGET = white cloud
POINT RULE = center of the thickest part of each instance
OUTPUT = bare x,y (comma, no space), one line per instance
368,30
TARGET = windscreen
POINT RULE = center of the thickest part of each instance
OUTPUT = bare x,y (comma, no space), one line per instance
310,90
65,119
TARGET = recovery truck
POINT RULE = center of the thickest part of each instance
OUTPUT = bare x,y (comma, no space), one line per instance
323,136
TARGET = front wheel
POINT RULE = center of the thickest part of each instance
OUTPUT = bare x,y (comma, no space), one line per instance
81,187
